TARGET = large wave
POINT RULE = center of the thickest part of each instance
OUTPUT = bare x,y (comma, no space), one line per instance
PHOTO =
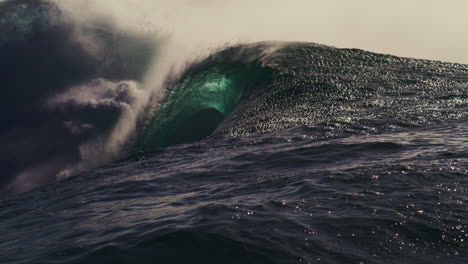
270,87
76,95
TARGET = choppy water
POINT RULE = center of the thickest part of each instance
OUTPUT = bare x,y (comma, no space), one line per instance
280,198
261,153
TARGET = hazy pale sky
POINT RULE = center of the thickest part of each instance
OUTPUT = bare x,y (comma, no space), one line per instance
428,29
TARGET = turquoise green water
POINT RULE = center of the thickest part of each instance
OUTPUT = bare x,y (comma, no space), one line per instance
200,101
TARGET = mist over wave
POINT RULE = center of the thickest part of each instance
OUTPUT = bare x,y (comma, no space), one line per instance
65,91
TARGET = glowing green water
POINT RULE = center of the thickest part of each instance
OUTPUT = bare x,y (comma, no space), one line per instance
198,103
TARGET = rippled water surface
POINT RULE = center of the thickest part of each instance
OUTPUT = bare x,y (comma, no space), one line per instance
260,153
281,198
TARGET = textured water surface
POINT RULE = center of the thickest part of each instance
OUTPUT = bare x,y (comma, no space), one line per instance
387,198
260,153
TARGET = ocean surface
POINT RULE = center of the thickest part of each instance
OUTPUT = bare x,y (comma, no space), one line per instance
272,152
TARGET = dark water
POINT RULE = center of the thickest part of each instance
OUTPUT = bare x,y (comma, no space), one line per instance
398,197
261,153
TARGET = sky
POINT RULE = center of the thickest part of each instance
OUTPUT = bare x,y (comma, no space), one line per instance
427,29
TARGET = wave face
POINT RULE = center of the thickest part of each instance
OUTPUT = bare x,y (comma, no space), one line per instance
244,91
204,96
